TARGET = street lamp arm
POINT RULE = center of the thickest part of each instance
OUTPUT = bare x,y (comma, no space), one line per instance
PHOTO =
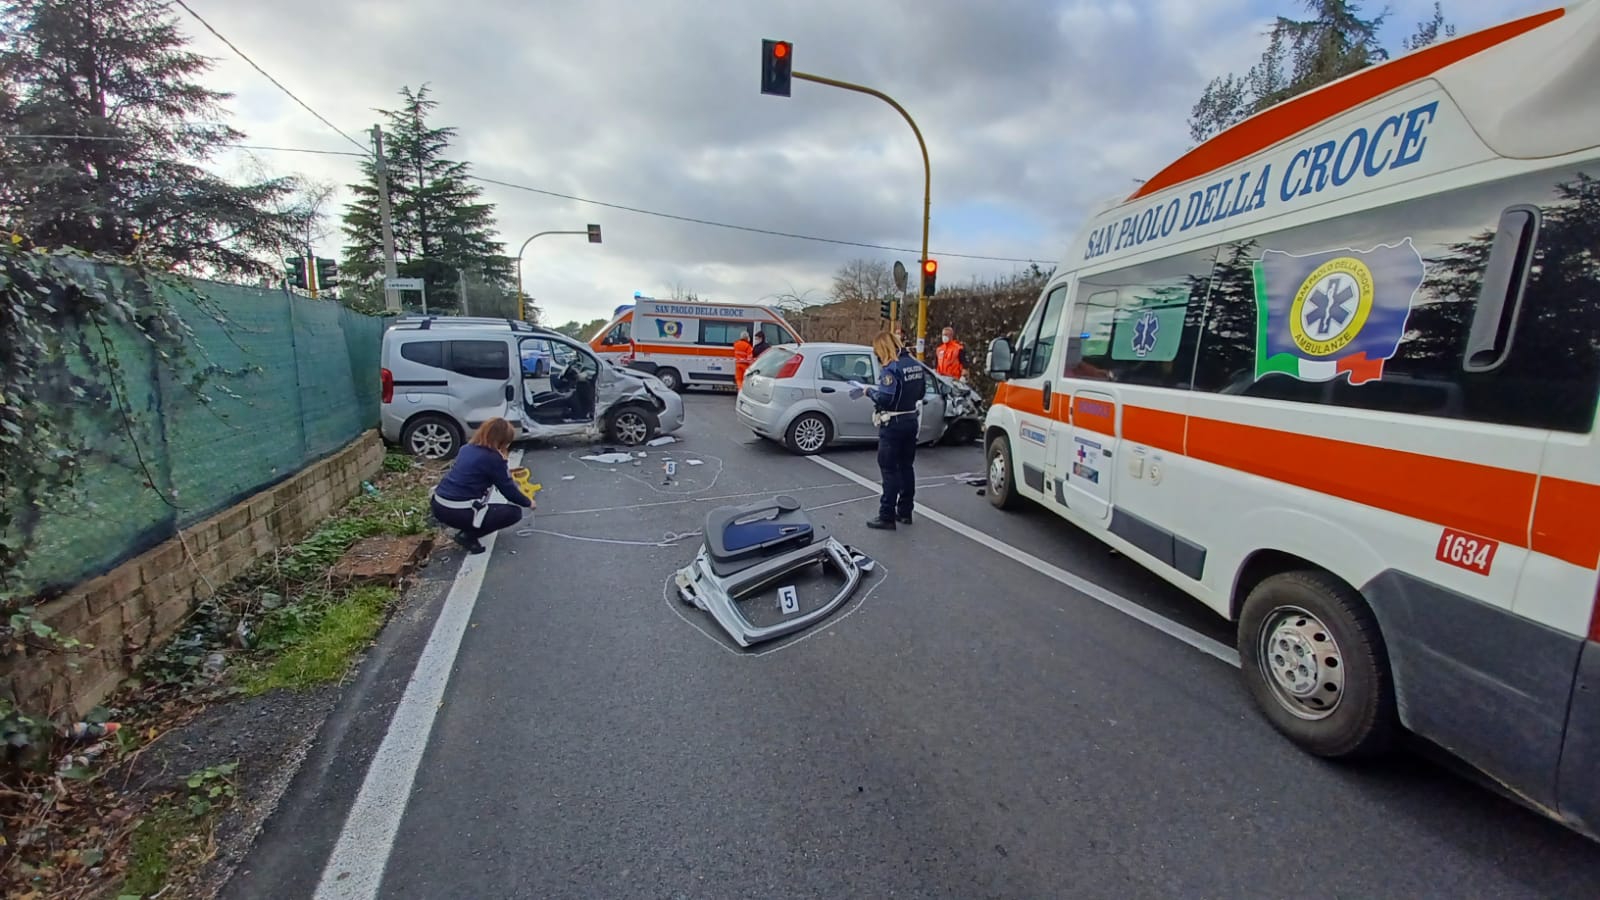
521,310
927,183
524,246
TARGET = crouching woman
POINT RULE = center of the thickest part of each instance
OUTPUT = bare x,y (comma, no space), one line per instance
478,495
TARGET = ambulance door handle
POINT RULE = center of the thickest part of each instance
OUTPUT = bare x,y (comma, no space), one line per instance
1047,396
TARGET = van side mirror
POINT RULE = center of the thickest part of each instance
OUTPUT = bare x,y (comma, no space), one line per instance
999,362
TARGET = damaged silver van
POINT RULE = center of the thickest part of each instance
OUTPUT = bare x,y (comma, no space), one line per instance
443,376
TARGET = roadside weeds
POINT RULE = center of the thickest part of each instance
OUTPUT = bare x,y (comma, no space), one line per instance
135,812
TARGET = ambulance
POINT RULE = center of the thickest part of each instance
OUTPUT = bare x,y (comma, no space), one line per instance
1334,373
686,343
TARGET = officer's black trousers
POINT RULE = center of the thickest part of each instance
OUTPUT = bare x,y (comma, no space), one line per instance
897,450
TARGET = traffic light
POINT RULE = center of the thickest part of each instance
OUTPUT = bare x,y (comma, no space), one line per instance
594,234
930,273
777,60
886,308
327,274
294,267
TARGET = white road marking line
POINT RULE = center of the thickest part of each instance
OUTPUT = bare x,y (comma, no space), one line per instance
1083,586
354,870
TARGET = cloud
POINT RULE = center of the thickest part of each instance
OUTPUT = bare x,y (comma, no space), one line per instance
1034,112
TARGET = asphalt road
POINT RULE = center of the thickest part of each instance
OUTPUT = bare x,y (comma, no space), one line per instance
969,728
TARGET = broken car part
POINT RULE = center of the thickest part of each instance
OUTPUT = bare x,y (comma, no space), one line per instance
747,548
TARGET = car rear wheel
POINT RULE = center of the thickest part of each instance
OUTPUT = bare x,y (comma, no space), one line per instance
671,379
432,436
808,434
1314,659
632,425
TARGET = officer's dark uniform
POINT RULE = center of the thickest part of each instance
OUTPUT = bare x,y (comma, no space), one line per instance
900,388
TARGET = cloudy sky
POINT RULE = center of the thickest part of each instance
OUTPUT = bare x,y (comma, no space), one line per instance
1034,112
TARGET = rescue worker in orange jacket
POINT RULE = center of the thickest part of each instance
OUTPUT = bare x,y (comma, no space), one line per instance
952,355
742,354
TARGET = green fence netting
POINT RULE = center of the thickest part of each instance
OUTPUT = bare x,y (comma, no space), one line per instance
290,380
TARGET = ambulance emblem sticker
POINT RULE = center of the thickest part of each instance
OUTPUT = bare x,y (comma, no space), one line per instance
669,328
1322,315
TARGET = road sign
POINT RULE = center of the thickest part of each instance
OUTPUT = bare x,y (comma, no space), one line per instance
402,284
899,276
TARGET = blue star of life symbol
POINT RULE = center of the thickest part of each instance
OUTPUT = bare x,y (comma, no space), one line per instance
1144,333
1330,305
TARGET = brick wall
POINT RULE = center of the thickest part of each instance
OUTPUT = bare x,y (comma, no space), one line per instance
138,606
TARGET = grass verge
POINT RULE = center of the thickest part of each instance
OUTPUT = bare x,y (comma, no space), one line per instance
318,638
72,830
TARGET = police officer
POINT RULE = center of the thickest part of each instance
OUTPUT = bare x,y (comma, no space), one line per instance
896,397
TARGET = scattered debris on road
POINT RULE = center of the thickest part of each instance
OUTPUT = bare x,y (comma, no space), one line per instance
746,548
610,458
662,441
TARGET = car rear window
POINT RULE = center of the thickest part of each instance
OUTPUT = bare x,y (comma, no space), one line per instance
770,361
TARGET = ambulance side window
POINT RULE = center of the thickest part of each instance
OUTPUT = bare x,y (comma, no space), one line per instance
619,333
1141,325
1032,355
1399,344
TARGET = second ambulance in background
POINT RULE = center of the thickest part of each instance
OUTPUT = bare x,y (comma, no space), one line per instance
686,343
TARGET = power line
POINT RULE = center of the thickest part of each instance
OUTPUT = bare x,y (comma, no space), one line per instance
751,229
127,140
241,53
633,209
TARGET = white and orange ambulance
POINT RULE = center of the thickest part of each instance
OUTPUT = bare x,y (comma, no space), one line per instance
1334,373
686,343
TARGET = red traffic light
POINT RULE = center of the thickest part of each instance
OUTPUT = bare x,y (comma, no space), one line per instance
777,60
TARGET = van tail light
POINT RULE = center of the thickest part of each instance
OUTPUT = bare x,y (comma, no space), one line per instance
789,367
387,378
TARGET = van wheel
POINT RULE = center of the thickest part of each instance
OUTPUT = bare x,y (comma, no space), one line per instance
432,437
632,425
671,379
808,434
1316,663
1002,483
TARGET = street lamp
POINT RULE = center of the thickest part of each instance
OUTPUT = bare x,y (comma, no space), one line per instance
593,231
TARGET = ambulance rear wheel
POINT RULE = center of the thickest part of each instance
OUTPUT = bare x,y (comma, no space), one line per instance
1002,482
671,379
1314,659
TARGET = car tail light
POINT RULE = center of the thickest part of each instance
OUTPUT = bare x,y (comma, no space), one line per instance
387,378
789,367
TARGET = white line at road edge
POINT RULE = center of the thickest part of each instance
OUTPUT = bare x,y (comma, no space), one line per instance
355,868
1088,588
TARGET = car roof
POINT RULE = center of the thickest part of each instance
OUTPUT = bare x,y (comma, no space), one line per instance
826,347
413,324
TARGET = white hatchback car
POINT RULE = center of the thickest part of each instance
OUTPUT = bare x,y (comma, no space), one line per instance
800,394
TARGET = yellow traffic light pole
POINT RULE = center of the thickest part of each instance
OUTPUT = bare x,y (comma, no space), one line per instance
927,189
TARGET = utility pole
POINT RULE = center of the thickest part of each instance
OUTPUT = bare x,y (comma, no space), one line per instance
391,299
463,275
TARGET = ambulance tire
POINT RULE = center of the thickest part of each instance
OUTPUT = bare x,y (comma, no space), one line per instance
1002,487
1341,706
671,379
